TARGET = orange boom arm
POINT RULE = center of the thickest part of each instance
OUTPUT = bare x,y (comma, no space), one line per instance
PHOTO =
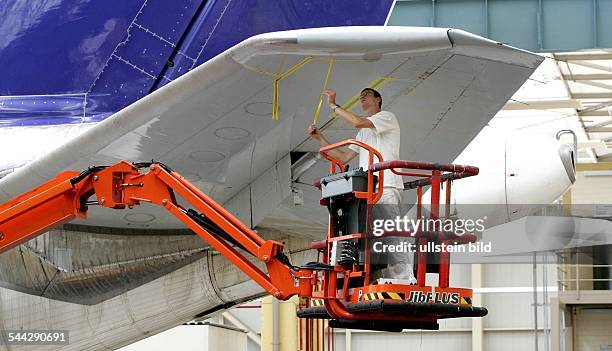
122,185
339,288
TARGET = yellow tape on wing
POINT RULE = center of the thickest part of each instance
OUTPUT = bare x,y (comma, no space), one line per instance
260,70
275,101
378,83
329,70
279,78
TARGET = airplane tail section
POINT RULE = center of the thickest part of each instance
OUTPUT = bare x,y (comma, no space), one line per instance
86,62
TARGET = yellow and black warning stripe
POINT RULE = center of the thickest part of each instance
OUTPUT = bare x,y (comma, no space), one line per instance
316,302
466,301
382,296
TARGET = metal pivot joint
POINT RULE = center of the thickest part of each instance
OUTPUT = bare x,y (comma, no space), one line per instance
122,185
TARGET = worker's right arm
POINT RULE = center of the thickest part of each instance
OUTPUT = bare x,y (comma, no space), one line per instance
343,156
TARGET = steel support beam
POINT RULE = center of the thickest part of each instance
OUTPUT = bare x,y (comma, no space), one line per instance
594,113
599,130
596,76
584,56
348,340
594,84
588,64
592,95
601,124
236,322
477,323
599,166
543,104
555,328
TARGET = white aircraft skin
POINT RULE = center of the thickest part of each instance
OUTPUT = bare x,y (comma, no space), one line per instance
109,288
518,174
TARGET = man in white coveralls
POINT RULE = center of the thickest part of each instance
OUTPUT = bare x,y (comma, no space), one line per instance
380,130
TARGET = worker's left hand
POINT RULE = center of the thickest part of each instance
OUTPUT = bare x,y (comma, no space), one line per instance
331,97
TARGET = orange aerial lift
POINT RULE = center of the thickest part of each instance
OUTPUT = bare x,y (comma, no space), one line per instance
338,288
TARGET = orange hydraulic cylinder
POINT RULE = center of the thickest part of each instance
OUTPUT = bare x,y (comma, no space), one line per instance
34,212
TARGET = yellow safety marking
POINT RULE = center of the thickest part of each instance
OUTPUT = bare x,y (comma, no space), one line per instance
395,296
277,75
281,77
376,84
465,301
262,71
382,296
295,67
331,65
275,101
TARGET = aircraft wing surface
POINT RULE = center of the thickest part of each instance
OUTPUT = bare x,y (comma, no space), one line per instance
214,125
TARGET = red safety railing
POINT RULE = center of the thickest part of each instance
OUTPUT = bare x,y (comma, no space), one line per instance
429,174
435,178
371,195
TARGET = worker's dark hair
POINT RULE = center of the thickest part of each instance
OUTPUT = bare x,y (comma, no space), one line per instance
376,95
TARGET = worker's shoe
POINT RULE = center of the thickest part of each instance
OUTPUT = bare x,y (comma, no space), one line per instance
398,273
411,281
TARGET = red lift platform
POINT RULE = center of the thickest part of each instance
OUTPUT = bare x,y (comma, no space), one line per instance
346,294
338,288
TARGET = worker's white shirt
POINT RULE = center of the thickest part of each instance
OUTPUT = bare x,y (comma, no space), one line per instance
385,138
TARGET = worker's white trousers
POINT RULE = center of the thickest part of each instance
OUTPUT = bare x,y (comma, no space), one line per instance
391,196
399,263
